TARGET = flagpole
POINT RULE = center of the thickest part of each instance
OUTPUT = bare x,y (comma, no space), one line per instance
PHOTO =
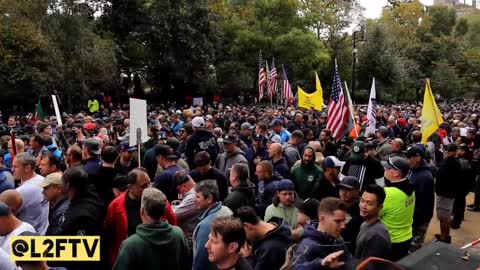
350,106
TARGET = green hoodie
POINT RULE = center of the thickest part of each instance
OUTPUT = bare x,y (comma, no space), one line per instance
154,246
305,177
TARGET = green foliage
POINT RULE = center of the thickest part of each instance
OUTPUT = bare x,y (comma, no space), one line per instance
443,20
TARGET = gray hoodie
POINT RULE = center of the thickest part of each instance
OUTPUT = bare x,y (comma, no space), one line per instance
225,161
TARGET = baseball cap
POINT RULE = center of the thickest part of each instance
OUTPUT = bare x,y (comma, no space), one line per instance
358,149
125,147
396,163
4,210
246,126
230,139
165,151
93,145
258,137
349,182
285,184
198,122
333,162
276,122
415,152
275,138
53,178
162,135
309,207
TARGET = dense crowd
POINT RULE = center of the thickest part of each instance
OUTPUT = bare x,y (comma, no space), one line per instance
236,187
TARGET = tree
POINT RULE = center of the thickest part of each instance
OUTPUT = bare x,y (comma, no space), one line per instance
443,20
445,80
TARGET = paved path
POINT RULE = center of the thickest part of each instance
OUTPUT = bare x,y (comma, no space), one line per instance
469,231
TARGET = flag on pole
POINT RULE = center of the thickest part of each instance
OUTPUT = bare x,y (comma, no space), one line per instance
337,108
372,110
319,88
267,73
39,112
309,101
431,116
272,79
351,120
286,88
262,78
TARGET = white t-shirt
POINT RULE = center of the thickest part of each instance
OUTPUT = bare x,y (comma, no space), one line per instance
5,262
5,240
34,209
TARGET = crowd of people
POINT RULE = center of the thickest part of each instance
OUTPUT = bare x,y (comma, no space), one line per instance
236,187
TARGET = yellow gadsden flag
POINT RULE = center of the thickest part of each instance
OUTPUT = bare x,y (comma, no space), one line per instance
319,88
431,116
309,101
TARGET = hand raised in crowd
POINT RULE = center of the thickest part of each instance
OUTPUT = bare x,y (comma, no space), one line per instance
333,260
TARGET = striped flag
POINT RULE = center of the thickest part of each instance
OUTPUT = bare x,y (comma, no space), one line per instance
338,113
272,80
262,78
286,88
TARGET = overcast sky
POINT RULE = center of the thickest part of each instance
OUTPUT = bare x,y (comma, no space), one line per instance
373,8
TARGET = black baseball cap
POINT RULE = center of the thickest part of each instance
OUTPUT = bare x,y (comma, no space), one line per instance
230,139
258,137
309,207
165,151
349,182
415,151
452,147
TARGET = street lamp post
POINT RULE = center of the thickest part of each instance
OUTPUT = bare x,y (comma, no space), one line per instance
358,30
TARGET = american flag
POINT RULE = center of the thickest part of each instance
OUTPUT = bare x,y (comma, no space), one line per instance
338,112
286,88
262,78
272,80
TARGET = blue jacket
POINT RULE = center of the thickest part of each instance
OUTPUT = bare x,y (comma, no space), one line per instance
422,180
6,179
315,246
57,152
285,135
200,235
177,126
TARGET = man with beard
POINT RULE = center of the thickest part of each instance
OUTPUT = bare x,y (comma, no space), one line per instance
306,176
327,185
349,194
231,155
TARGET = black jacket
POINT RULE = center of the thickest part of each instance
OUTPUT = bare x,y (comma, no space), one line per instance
201,140
448,172
84,217
281,167
243,195
423,184
213,174
266,192
270,250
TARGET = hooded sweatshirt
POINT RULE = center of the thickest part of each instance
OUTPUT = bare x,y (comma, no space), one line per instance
423,184
269,251
152,246
398,208
242,195
305,177
314,247
226,160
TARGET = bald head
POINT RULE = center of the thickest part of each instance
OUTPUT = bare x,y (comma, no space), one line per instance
275,150
20,145
397,145
12,198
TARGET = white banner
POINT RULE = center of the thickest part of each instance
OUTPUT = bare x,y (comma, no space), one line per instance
138,121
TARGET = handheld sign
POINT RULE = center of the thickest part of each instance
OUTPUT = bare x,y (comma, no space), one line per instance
138,124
